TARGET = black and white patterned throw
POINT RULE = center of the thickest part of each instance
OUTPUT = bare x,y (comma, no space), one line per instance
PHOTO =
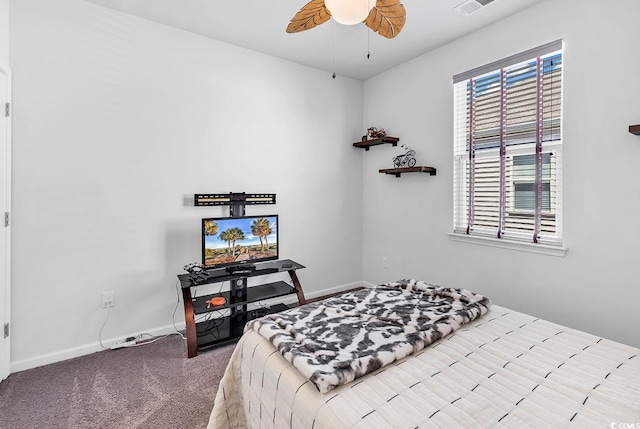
335,341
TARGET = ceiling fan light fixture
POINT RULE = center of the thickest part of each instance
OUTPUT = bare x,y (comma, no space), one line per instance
349,12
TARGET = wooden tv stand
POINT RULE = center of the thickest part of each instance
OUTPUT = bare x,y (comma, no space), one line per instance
222,330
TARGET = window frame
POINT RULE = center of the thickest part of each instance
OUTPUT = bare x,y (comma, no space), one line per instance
549,243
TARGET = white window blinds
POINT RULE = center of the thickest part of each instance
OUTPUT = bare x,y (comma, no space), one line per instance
508,147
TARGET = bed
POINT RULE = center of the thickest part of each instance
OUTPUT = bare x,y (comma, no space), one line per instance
501,369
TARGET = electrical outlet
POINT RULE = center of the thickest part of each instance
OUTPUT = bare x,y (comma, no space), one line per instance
385,262
108,299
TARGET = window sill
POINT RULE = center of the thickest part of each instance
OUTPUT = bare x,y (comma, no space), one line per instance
543,249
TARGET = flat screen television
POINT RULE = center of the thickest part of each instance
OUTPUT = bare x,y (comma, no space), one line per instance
230,241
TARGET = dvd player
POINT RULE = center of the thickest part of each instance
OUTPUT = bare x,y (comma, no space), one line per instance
241,269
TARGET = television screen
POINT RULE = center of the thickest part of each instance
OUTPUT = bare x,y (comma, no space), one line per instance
236,240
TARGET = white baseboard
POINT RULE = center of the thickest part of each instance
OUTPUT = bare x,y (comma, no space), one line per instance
336,289
86,349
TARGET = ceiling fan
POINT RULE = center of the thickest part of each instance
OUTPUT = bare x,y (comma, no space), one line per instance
386,18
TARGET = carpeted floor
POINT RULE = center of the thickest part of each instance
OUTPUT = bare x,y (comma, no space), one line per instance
151,386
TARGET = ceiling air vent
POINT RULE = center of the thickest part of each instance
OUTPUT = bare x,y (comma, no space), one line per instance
470,6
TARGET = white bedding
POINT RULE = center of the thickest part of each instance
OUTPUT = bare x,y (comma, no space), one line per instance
506,369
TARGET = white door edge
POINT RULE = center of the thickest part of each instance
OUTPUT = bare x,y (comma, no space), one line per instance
5,199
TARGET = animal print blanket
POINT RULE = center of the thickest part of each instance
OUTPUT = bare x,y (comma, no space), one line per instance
335,341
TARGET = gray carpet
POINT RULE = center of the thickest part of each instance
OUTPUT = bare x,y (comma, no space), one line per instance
152,386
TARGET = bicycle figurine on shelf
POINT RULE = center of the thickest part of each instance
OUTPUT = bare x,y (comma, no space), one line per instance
407,159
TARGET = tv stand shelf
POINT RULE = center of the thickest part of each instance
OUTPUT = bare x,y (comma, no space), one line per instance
255,293
221,330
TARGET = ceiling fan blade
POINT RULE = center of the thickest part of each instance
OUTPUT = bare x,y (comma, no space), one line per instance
312,14
387,18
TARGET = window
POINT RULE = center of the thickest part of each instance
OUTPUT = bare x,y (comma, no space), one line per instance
508,147
524,183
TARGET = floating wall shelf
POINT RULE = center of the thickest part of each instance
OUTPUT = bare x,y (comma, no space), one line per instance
398,171
634,129
366,144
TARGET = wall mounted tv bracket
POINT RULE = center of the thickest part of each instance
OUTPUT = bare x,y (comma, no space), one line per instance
235,200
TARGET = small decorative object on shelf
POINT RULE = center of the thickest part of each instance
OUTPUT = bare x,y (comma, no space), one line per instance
374,133
216,301
634,129
407,159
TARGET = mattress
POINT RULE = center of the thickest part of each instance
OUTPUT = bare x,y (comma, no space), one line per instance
503,370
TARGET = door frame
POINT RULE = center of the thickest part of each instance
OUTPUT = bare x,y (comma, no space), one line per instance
5,283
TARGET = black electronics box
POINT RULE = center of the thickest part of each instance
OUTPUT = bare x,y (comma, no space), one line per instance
260,312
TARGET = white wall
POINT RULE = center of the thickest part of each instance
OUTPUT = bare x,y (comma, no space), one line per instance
117,123
595,287
4,32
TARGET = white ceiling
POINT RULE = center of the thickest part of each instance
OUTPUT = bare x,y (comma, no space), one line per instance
260,25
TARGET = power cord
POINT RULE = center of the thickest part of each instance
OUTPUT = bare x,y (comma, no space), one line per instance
140,342
138,339
175,309
212,323
102,327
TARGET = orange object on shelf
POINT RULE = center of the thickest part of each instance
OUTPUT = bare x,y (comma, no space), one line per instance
216,301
